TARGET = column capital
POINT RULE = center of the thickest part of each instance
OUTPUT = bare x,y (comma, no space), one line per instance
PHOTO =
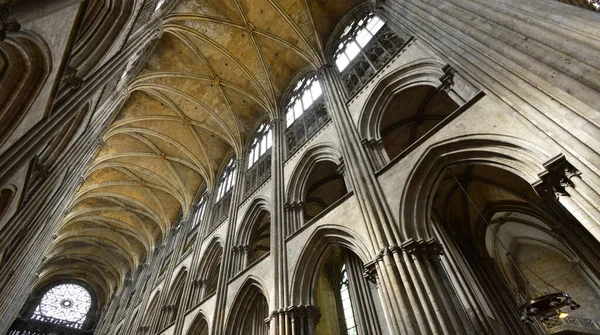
308,311
276,121
370,271
556,176
324,67
423,248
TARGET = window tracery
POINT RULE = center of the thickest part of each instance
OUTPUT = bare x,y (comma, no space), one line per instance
64,304
259,158
305,113
365,45
200,209
223,199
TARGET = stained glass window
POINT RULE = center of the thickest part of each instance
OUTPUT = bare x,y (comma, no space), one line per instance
347,304
64,302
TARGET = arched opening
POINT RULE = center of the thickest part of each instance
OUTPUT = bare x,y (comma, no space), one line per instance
260,239
493,222
151,314
324,186
205,284
410,114
25,67
199,327
347,302
249,312
169,314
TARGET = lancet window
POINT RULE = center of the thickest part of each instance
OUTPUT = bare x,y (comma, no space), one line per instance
305,112
223,198
259,158
347,303
200,209
366,44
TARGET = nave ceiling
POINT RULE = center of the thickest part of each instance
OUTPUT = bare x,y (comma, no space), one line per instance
219,66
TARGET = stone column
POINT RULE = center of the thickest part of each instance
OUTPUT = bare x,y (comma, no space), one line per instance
365,312
226,261
463,282
536,58
278,248
303,320
377,216
30,144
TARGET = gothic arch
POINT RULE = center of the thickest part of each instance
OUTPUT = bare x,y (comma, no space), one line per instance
482,207
322,152
24,67
249,310
103,23
64,139
423,72
174,299
152,311
210,266
199,325
258,206
311,258
512,154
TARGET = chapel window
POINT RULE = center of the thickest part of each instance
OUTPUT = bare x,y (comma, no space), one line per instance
259,158
305,112
365,46
65,304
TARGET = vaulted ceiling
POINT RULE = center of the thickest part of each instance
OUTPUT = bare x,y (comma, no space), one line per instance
220,65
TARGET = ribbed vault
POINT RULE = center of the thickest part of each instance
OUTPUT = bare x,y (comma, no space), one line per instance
219,66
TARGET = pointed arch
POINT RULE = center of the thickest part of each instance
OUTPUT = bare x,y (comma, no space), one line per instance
249,310
322,152
199,325
310,259
26,60
512,154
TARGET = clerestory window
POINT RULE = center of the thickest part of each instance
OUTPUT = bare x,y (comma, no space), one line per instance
222,203
259,158
200,209
227,179
65,304
305,112
355,37
364,47
263,141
